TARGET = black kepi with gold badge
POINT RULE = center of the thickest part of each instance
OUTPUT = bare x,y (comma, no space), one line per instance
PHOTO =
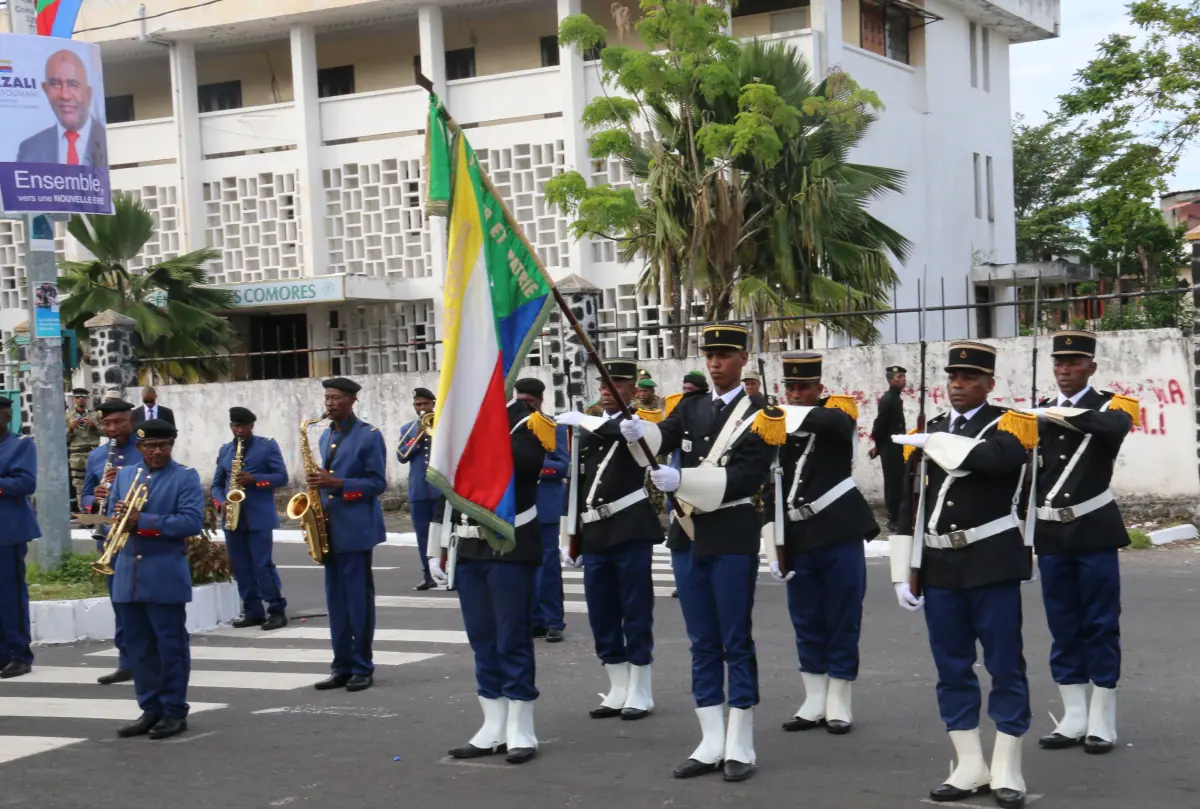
1074,343
801,366
966,355
724,337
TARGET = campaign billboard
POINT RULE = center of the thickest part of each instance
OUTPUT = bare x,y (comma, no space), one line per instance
53,144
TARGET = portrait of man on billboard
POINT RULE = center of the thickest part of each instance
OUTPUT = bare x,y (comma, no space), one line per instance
78,137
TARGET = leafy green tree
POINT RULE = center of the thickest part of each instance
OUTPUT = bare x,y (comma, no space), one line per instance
1051,175
175,311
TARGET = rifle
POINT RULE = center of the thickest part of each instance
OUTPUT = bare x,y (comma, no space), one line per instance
917,487
448,542
1031,503
572,531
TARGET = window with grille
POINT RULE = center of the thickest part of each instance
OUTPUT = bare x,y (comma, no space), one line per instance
549,47
118,109
335,81
223,95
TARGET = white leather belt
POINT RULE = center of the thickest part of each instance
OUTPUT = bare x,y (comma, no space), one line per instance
956,540
605,511
810,510
525,517
1072,513
473,532
745,501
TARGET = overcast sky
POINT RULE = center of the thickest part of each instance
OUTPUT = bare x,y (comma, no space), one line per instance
1041,71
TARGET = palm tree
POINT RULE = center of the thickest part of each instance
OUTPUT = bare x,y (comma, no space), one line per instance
178,332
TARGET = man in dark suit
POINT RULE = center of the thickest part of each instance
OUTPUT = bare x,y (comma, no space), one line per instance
888,422
78,138
151,409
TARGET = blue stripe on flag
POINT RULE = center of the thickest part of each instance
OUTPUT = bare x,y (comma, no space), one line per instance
507,510
515,326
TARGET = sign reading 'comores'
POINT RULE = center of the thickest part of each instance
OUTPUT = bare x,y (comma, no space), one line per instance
275,293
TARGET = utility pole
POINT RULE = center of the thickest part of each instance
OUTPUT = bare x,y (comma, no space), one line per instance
45,380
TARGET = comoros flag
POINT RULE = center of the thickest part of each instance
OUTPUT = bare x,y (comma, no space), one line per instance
496,297
56,18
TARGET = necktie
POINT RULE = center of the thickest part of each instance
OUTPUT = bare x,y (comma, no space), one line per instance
72,152
959,423
718,406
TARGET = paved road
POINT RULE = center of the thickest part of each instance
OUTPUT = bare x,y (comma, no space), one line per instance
260,737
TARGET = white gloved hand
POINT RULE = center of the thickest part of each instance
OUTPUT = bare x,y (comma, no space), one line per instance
666,478
565,556
436,572
1040,412
917,440
777,574
572,418
633,429
906,599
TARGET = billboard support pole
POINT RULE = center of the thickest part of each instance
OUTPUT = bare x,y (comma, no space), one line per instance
45,381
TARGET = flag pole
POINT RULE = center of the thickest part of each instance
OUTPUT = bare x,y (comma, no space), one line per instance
563,306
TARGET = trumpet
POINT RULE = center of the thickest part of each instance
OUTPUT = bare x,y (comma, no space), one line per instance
306,505
138,494
233,506
407,445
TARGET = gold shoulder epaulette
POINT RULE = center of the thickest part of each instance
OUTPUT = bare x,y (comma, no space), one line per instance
771,426
1129,406
908,448
652,416
1023,425
544,428
670,403
844,403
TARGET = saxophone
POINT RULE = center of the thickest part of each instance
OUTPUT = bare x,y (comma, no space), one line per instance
233,500
306,505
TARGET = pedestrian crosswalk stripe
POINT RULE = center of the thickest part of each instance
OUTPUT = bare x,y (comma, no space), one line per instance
448,603
256,655
70,708
15,747
317,633
578,589
256,680
318,567
578,574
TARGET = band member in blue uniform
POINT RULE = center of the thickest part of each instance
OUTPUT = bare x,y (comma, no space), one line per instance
352,477
728,444
1079,529
548,612
618,529
250,540
103,464
413,450
825,522
496,592
152,584
971,559
18,481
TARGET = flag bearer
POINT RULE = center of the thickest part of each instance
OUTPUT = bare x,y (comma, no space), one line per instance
18,481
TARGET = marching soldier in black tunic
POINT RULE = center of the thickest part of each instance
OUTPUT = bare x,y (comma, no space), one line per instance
970,558
889,421
618,528
825,520
1079,529
727,444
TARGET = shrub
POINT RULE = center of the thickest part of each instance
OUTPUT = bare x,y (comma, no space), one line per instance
1139,540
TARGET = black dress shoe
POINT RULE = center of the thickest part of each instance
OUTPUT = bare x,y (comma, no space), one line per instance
1009,798
425,585
471,751
947,793
738,770
674,594
838,727
692,768
633,714
118,676
1092,744
604,712
168,726
243,622
276,620
539,632
796,723
1057,741
360,682
15,669
139,728
554,636
336,681
519,755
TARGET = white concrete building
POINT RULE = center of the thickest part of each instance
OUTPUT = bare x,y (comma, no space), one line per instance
289,135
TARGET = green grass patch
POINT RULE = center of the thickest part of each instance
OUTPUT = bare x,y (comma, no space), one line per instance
1139,540
73,579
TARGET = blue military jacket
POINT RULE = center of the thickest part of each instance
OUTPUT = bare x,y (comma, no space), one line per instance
552,489
127,455
153,567
260,457
360,461
416,454
18,480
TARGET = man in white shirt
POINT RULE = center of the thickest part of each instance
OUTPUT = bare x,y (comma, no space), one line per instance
77,138
151,409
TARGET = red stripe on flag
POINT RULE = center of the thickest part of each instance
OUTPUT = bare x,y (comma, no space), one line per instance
486,466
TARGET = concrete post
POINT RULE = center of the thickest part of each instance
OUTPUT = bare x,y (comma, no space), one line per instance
311,184
433,47
827,18
584,299
186,108
110,352
575,143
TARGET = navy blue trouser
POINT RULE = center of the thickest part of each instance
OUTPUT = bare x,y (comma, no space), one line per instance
123,662
497,606
619,589
717,597
825,600
1082,593
548,605
990,615
350,597
424,512
254,570
160,653
15,632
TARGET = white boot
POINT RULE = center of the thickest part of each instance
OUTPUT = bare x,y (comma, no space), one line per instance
970,772
1008,785
707,757
1074,724
618,691
522,739
491,737
812,712
640,700
838,714
739,745
1102,721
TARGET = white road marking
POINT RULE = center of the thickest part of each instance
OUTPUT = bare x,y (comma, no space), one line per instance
62,708
450,603
186,739
318,567
319,633
254,680
256,655
15,747
578,589
332,710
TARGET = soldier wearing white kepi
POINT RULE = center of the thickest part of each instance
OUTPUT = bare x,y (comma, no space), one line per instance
1079,529
617,528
